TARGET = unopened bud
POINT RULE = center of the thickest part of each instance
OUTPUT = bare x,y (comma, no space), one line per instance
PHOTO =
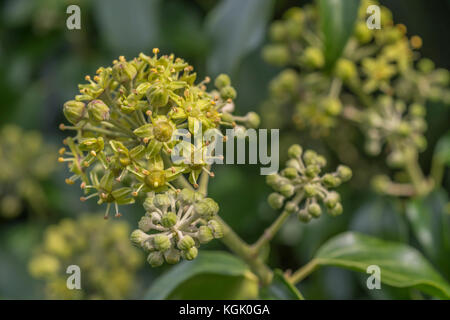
74,111
169,219
186,243
161,242
155,259
98,111
275,200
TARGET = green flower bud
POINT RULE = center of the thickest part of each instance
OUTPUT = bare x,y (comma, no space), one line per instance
344,173
149,203
191,253
363,33
228,92
314,210
207,207
291,207
404,129
169,219
155,259
295,151
336,210
310,190
380,183
330,180
275,200
304,216
157,96
222,81
420,142
216,228
276,54
274,180
145,223
163,131
425,65
156,179
138,237
332,199
123,71
186,243
172,256
396,159
290,173
309,157
253,120
287,190
205,234
333,107
345,69
187,195
312,170
277,31
313,57
74,111
98,111
417,110
161,242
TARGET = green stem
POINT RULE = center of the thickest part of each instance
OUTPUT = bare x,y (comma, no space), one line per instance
416,175
303,272
270,232
437,171
203,183
245,252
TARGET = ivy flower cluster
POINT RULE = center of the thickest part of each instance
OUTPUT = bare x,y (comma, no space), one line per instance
175,224
302,189
25,161
129,118
374,63
107,260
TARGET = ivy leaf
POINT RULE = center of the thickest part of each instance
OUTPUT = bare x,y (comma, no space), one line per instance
235,27
280,289
401,265
430,224
337,18
212,275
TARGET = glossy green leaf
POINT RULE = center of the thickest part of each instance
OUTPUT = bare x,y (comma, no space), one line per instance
401,266
235,27
337,18
280,289
431,225
212,275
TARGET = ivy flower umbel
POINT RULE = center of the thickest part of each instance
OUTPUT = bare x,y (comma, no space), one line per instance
128,119
301,189
174,226
108,262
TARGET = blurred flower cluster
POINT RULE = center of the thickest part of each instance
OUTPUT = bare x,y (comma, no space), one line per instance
107,260
301,180
26,160
380,83
176,223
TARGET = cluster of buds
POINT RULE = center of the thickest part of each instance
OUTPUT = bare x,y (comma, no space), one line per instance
107,261
25,161
129,118
374,63
302,189
399,126
175,224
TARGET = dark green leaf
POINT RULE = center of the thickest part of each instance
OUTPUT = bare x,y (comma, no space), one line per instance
337,18
235,27
280,289
401,265
128,27
212,275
